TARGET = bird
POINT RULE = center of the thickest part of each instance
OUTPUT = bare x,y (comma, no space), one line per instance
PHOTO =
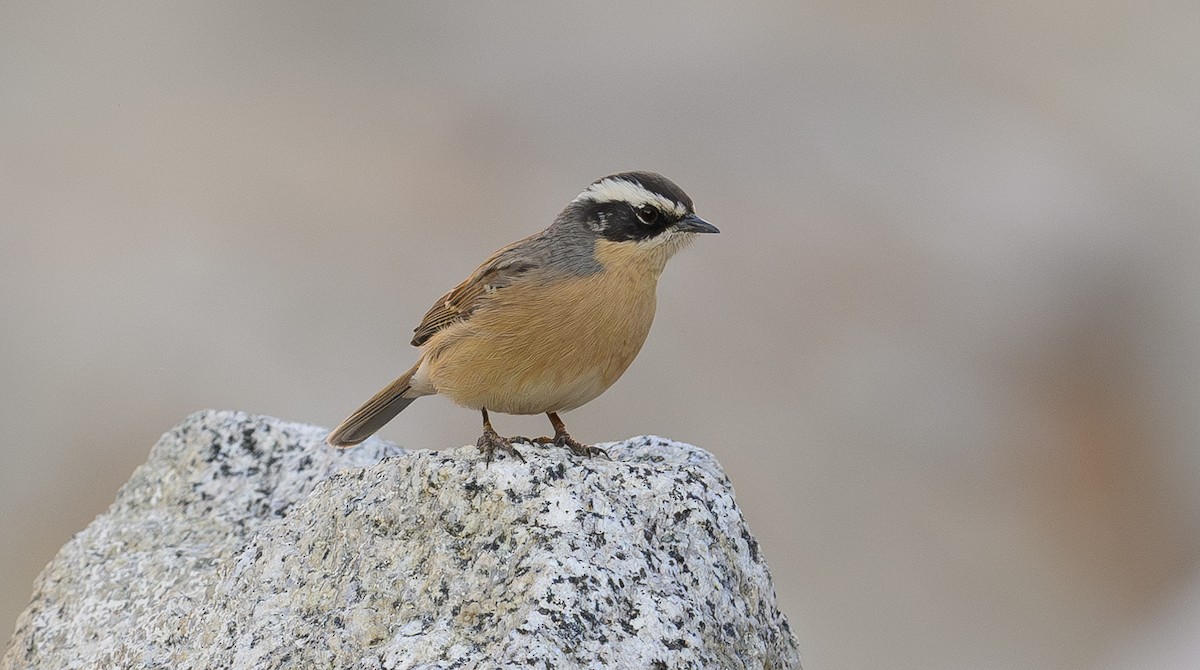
547,323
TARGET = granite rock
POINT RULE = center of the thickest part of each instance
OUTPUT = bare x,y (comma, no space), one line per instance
244,542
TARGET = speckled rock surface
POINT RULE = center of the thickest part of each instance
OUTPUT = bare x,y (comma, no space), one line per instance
233,547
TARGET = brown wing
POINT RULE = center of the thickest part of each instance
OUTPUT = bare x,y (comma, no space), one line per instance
498,271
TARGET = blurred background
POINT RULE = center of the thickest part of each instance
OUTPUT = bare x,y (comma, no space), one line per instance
947,344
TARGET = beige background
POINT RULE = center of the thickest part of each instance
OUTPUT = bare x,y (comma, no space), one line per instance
947,344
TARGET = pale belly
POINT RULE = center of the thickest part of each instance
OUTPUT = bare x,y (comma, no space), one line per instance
521,357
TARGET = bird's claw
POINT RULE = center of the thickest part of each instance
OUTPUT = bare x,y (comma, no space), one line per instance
563,440
490,442
533,441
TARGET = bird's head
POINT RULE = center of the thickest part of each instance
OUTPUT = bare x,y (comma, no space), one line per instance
643,212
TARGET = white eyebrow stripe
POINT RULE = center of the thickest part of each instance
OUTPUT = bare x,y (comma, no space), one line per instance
620,190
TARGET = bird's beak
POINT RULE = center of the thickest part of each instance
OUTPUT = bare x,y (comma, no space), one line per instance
694,224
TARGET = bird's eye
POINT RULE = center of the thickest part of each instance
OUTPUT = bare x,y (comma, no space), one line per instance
648,215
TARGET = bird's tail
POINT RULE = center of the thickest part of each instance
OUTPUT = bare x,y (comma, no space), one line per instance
381,408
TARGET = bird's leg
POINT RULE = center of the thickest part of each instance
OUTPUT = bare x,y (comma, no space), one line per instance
532,440
491,441
562,439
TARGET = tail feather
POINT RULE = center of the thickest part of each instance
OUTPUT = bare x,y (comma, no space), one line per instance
381,408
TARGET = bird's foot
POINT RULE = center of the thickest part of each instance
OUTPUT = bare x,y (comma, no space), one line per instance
491,442
565,441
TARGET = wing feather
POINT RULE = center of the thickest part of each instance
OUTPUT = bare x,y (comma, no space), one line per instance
500,270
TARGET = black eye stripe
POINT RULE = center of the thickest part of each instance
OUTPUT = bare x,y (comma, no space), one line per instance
620,221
